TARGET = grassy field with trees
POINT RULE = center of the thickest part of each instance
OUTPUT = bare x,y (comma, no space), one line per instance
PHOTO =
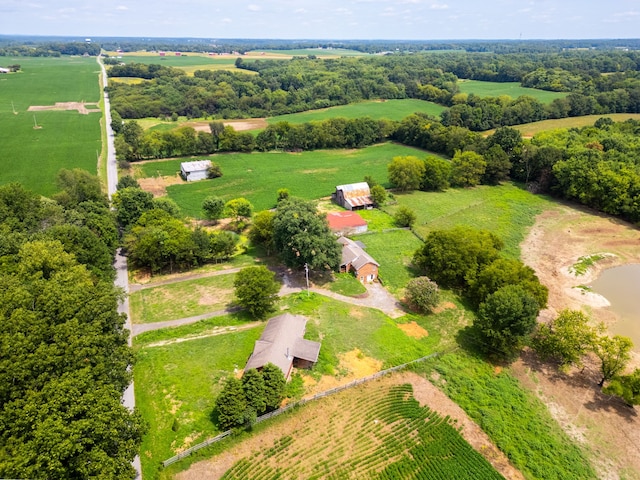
376,109
258,176
512,89
65,139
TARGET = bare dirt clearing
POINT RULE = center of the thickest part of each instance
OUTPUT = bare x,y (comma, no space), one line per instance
555,243
81,107
238,125
315,415
157,186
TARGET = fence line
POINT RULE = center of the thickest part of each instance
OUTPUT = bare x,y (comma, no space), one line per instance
299,403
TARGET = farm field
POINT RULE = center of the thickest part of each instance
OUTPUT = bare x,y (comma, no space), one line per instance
183,299
318,52
189,62
258,176
65,139
506,210
385,433
528,130
512,89
389,109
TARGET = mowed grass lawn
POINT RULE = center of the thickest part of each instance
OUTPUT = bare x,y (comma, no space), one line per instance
389,109
67,139
258,176
512,89
183,299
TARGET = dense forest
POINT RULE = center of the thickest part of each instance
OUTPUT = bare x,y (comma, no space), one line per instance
65,358
596,82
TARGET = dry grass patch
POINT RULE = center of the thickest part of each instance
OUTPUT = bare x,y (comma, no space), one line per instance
412,329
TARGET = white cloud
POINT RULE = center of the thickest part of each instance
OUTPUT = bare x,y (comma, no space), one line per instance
439,6
254,8
226,20
122,8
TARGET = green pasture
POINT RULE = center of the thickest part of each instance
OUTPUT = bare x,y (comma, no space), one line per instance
181,300
530,129
184,60
517,421
376,109
512,89
506,210
393,251
258,176
66,139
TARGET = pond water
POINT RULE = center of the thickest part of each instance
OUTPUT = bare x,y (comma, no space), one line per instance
621,286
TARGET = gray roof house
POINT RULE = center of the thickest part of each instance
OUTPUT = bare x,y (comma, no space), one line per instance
198,170
282,344
356,260
354,196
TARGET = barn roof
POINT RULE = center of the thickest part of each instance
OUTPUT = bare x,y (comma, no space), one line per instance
346,219
196,166
356,194
282,341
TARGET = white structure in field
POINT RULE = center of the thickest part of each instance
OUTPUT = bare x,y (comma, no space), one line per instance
192,171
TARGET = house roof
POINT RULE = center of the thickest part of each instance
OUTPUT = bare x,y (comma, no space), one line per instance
356,194
347,219
282,341
196,166
353,254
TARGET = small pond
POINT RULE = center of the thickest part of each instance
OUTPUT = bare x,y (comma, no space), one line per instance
621,286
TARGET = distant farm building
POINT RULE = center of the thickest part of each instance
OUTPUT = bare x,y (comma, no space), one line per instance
282,344
4,70
346,223
355,196
192,171
356,260
162,54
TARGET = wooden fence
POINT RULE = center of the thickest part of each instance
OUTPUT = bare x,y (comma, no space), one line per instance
288,407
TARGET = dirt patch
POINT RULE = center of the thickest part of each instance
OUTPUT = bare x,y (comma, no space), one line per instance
157,186
81,107
412,329
444,306
238,125
424,392
555,243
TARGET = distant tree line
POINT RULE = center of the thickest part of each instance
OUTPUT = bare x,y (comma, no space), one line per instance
49,49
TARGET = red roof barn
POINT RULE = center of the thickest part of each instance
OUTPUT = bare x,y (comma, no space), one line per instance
346,223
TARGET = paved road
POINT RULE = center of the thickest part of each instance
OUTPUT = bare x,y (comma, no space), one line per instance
122,277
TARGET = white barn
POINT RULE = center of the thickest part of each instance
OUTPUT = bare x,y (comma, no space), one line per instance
192,171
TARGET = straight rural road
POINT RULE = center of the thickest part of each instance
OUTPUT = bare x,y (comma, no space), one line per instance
122,276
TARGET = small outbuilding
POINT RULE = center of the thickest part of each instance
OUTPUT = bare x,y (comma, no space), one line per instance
356,260
4,70
282,343
346,223
192,171
354,196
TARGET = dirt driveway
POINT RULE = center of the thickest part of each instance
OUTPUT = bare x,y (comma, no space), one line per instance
605,424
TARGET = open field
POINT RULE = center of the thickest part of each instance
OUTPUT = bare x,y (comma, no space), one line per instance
65,139
318,52
180,300
189,62
528,130
258,176
512,89
376,109
506,210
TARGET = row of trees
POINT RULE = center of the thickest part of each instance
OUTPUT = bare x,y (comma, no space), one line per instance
65,359
242,400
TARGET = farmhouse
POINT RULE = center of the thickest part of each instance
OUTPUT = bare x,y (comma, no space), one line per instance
282,344
197,170
354,196
355,259
346,223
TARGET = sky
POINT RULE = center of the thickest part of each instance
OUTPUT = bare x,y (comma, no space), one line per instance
325,19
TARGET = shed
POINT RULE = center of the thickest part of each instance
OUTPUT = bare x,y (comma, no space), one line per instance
354,196
355,259
198,170
4,70
282,343
346,223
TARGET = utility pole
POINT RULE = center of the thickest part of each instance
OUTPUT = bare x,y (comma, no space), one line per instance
306,272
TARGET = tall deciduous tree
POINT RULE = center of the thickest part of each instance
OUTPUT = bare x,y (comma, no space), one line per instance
614,354
213,207
130,204
261,232
505,321
423,293
436,174
256,290
378,195
302,236
467,169
406,173
626,387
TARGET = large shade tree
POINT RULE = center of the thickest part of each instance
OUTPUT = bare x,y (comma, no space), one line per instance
302,236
